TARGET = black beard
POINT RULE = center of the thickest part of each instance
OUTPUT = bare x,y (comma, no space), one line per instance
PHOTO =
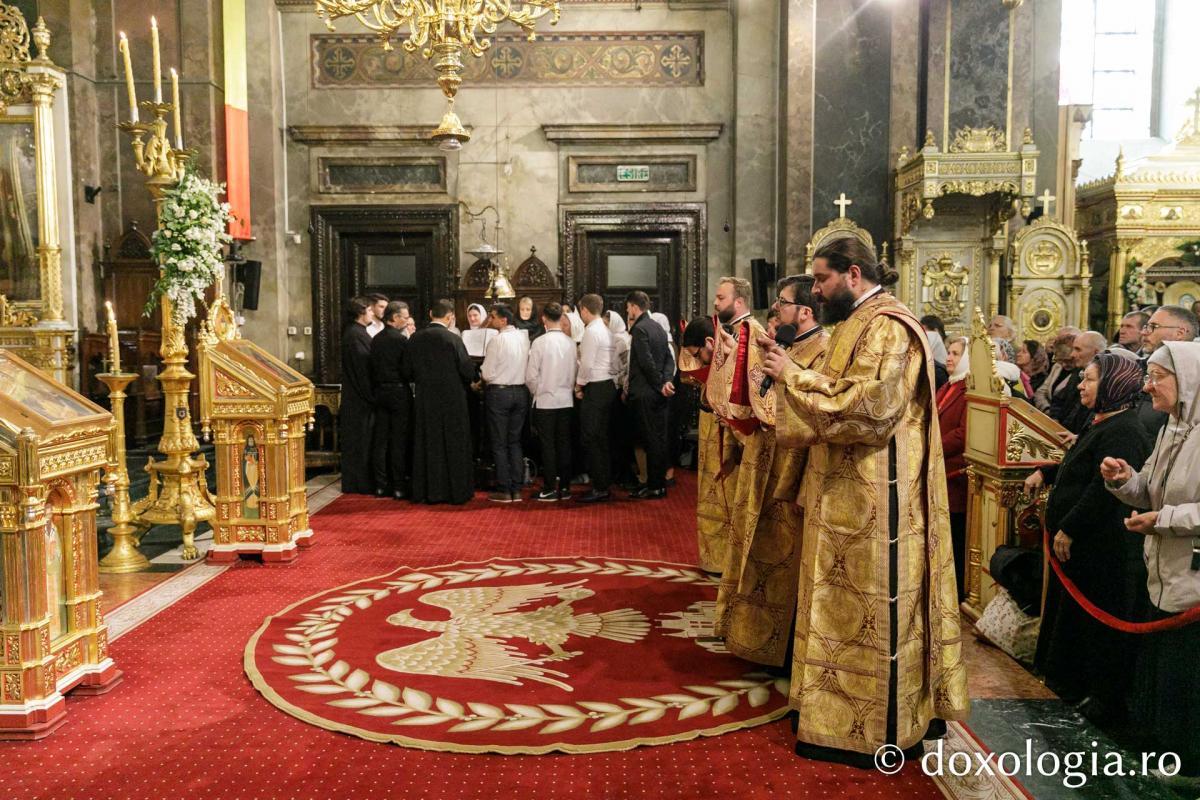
837,307
725,315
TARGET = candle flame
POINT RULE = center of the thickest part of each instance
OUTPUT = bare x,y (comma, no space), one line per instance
122,35
153,23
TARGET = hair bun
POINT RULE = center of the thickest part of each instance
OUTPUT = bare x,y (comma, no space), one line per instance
887,275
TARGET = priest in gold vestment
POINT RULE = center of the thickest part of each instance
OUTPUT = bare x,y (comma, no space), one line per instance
719,448
756,602
716,451
878,657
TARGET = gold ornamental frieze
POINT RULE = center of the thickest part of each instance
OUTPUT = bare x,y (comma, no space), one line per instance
979,140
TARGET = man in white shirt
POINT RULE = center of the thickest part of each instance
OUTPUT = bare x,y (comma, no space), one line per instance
550,378
378,306
506,402
595,385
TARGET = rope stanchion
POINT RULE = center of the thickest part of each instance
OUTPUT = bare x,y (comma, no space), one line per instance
1100,615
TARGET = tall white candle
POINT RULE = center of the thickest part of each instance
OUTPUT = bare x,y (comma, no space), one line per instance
175,102
123,46
157,60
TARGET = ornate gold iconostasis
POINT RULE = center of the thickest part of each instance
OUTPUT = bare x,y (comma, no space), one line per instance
53,445
1007,438
953,204
257,409
1137,220
35,211
1049,277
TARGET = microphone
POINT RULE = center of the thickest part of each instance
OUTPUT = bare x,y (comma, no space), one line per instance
784,336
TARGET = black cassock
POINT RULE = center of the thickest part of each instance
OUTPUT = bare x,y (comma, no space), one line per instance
355,414
442,469
393,410
1078,655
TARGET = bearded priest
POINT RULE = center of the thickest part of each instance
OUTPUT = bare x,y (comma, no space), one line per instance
715,450
878,657
756,601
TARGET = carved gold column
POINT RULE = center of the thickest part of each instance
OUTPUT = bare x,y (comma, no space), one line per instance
1116,280
42,86
178,490
124,556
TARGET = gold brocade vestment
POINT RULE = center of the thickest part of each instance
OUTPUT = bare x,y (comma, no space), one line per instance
714,492
756,602
877,638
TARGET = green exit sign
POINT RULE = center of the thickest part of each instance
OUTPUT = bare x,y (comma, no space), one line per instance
633,174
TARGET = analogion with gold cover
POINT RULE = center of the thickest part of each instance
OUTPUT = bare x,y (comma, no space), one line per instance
257,409
53,445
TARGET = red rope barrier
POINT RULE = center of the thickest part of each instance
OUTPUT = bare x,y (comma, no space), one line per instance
1169,624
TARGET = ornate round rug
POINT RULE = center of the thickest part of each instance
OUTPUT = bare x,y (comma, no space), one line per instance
514,656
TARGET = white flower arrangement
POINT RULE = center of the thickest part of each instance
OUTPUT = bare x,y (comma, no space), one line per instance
1135,282
187,245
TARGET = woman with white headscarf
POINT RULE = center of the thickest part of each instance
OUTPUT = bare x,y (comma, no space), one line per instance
1168,692
952,416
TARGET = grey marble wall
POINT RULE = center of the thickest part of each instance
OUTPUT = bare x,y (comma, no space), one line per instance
978,64
796,156
851,112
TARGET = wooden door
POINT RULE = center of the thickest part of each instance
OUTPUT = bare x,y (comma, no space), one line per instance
399,266
619,263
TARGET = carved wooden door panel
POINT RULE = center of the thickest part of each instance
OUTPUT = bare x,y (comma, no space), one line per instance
617,264
399,266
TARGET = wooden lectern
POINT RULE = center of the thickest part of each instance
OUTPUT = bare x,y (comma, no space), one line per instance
53,445
1007,439
257,408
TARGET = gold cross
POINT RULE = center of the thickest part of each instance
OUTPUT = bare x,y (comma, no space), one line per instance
1046,199
841,203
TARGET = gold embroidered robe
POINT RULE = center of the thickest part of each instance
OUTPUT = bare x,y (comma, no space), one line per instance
756,601
872,552
714,494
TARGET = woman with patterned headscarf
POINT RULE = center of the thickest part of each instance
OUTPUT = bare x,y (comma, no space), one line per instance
1083,660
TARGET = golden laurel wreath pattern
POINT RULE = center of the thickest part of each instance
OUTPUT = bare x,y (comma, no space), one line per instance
326,675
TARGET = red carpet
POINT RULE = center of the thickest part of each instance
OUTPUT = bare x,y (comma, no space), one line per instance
514,656
186,722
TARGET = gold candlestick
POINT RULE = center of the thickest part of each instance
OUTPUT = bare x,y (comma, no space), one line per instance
178,489
124,556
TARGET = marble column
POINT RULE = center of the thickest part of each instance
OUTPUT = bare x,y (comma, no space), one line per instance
797,150
852,105
268,188
756,102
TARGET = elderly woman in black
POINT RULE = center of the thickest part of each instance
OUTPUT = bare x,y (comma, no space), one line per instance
1083,660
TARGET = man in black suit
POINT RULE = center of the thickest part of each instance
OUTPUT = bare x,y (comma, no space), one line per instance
437,363
358,400
651,373
393,403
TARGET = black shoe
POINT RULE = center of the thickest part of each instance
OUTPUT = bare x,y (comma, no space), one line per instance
670,482
399,495
649,494
548,496
592,497
381,493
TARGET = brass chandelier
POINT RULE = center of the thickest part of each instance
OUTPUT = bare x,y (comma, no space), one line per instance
442,30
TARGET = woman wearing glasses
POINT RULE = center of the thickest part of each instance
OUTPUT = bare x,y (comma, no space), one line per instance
1169,486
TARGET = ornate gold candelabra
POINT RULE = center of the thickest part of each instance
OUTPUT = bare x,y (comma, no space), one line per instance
178,491
124,556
